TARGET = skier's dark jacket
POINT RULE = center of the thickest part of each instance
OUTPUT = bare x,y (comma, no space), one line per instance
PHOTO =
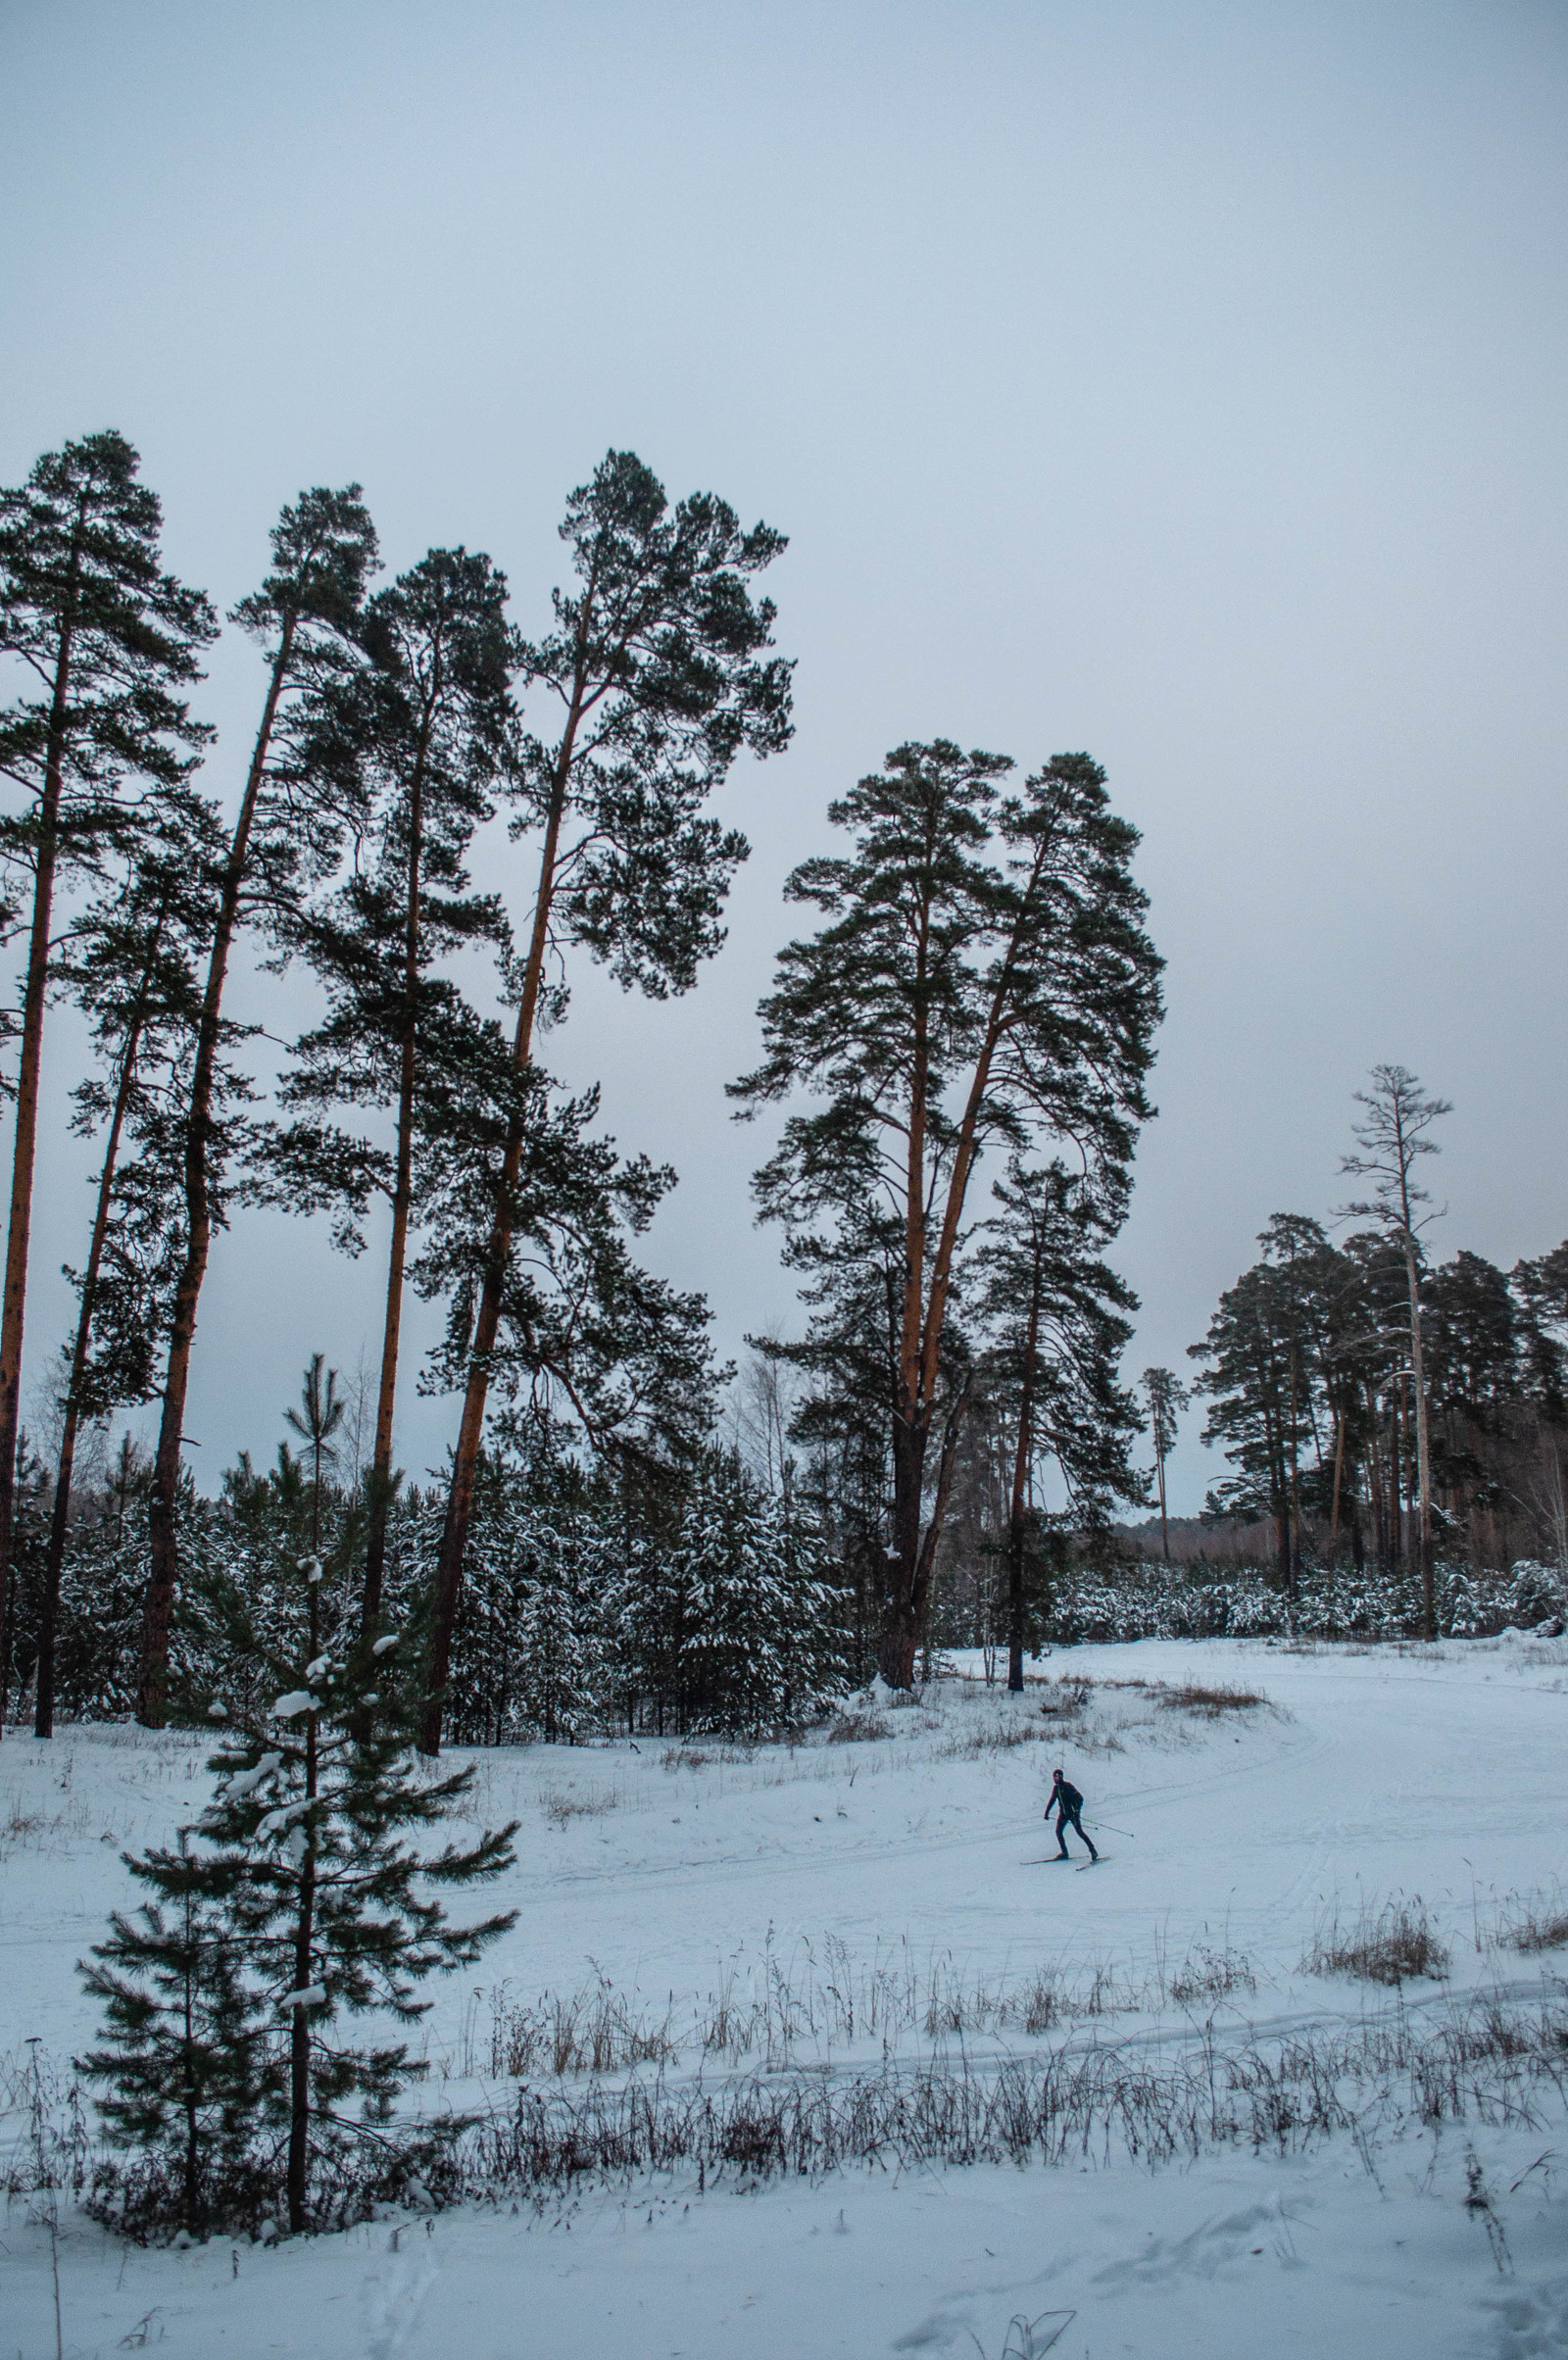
1064,1796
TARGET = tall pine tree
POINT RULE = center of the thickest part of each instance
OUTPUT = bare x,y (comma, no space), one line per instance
1166,1397
658,676
132,967
982,978
1391,1139
99,732
430,729
286,830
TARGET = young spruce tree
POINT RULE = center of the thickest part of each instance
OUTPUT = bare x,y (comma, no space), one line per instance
307,1859
181,2066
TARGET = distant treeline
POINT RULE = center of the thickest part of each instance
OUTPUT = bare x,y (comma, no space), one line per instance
589,1609
1402,1419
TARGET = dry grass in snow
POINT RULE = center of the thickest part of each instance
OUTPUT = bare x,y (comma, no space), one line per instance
1397,1943
1210,1703
1535,1923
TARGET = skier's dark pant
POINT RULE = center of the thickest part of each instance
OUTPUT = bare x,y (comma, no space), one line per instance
1066,1819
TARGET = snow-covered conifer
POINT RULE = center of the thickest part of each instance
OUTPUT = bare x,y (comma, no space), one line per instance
733,1626
307,1855
180,2064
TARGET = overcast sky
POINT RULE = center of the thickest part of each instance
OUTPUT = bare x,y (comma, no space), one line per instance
1185,383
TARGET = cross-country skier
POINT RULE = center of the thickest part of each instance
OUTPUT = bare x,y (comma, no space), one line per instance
1067,1803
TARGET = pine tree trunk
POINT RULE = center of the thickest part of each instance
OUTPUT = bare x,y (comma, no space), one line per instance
1016,1603
912,1420
904,1626
1374,1476
1279,1501
403,1188
925,1571
498,1254
26,1142
1021,1493
1295,1490
48,1621
901,1625
922,1323
299,2127
164,1490
1423,1446
1339,1470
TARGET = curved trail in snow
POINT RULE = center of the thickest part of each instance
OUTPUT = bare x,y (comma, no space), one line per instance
1391,1774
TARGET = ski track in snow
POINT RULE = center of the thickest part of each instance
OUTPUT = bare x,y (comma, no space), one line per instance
1444,1775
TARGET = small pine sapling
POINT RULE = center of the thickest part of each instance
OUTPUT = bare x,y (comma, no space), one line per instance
181,2063
306,1855
329,1911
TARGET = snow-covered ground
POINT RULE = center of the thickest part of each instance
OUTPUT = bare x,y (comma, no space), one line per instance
822,1907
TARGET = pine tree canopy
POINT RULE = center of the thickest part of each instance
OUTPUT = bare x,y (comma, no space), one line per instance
982,979
110,639
658,664
1057,1319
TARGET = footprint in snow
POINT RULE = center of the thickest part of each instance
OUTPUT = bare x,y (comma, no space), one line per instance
1206,2250
1532,2322
393,2297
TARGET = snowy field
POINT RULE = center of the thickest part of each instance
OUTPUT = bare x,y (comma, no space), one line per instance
714,1914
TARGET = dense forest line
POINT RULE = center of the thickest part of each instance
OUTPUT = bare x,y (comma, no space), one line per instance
958,1046
1386,1416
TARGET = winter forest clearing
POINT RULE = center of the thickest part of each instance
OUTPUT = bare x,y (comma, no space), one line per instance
784,1325
1175,2118
600,1665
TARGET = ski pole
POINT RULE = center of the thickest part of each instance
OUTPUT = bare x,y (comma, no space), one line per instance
1106,1829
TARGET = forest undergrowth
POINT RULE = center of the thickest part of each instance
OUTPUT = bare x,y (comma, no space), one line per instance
1491,2059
